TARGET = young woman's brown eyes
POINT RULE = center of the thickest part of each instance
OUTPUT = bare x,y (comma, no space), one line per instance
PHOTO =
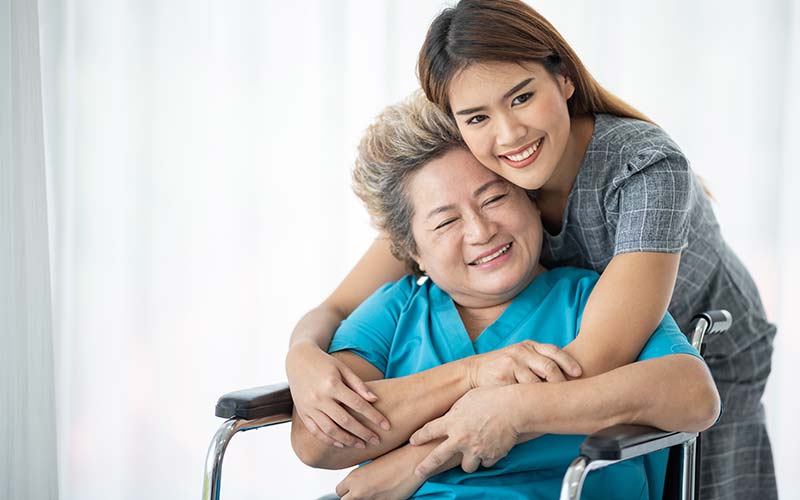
522,98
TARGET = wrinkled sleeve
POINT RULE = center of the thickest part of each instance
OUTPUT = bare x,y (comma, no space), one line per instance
653,203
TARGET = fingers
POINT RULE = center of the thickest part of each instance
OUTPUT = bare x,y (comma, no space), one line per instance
330,429
525,376
355,383
354,401
434,460
343,487
428,432
546,369
470,463
315,431
541,365
351,425
565,362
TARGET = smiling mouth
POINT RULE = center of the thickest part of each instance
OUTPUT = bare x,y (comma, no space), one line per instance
491,257
524,154
525,157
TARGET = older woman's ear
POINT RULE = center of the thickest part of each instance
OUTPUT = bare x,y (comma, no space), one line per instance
419,263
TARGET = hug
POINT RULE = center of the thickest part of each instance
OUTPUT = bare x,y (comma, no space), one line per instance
469,358
566,242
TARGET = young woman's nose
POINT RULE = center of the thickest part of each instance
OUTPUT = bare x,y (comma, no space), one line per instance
479,229
509,130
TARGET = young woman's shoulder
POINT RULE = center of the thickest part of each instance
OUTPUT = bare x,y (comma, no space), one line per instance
622,147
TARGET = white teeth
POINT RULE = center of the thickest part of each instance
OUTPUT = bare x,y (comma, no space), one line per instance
495,255
527,153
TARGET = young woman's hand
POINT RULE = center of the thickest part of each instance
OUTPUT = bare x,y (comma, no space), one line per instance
522,363
390,477
479,426
321,387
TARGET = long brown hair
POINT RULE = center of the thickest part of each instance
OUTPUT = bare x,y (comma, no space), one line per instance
508,31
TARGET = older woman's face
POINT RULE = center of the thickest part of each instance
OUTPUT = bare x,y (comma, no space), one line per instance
478,236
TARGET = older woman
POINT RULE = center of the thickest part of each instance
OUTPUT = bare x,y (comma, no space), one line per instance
462,351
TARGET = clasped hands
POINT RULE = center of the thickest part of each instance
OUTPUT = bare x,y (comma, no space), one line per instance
480,428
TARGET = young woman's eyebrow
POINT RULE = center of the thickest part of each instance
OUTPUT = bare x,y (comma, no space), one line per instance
516,88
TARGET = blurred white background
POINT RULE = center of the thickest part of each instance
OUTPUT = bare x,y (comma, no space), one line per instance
198,157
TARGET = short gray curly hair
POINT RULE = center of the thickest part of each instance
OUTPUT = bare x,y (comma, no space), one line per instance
401,140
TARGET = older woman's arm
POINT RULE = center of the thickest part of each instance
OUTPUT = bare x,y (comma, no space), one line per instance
416,399
674,392
409,402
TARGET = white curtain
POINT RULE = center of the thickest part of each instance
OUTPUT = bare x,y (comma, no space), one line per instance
198,158
27,403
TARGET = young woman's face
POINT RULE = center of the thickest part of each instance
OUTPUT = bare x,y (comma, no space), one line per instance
478,236
514,118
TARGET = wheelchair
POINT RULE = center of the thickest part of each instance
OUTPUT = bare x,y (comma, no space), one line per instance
270,405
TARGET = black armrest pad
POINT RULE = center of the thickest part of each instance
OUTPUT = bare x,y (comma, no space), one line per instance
255,403
624,441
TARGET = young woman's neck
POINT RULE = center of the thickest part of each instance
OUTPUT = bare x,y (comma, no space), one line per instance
580,134
552,197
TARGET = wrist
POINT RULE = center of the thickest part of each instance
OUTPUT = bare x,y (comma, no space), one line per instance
299,351
470,372
513,396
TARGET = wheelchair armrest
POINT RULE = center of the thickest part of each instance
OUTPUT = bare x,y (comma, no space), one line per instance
258,402
624,441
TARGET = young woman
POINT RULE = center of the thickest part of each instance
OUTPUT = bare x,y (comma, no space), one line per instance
458,343
616,195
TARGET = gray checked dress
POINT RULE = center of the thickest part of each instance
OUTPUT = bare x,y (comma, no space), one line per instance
636,192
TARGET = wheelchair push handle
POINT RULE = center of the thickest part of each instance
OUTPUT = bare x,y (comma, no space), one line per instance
709,323
718,321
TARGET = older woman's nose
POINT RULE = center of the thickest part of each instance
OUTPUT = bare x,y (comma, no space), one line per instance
479,229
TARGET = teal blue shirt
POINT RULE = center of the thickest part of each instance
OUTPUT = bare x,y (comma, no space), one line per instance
405,328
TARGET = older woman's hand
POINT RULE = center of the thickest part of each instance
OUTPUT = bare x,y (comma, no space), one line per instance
479,426
321,387
522,363
390,477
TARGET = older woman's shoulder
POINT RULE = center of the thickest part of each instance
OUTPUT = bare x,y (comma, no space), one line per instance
569,285
570,273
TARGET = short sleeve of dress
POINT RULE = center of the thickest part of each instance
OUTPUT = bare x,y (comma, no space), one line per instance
369,330
652,203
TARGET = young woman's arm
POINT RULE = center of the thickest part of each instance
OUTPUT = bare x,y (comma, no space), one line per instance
674,392
625,307
321,385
